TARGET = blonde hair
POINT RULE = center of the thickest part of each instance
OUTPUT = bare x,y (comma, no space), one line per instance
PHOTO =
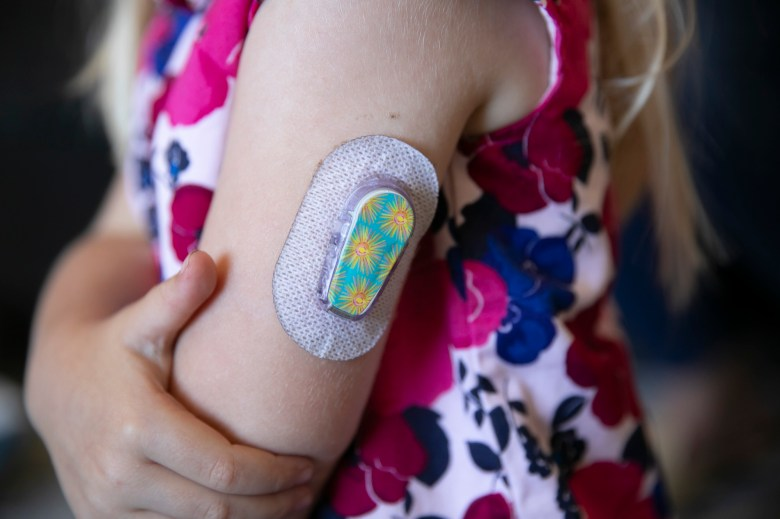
111,69
639,40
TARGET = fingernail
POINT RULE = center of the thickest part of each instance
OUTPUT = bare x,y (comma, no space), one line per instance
186,262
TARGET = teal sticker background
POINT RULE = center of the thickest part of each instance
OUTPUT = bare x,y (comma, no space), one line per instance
383,226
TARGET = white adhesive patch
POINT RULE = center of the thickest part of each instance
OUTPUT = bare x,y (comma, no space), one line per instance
298,271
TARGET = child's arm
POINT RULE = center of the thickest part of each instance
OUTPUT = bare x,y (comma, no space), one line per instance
314,75
96,389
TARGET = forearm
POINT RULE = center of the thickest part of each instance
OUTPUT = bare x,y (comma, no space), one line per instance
97,275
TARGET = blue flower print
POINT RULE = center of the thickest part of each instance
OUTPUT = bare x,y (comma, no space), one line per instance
145,174
538,273
164,50
178,161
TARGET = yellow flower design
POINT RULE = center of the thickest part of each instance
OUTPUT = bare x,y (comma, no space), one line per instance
357,295
398,218
336,283
371,208
364,250
388,262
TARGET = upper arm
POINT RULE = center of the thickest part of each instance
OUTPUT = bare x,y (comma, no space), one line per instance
313,75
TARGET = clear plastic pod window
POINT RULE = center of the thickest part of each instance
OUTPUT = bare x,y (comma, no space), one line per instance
368,240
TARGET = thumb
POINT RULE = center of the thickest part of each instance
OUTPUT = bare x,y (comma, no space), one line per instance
152,323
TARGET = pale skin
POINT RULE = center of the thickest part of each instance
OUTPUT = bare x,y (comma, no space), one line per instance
97,392
423,72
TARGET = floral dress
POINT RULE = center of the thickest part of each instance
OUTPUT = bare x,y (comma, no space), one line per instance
503,392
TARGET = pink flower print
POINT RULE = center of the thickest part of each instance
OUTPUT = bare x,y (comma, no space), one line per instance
159,36
202,86
560,147
348,493
416,349
480,315
389,456
503,171
394,456
159,104
538,168
493,506
605,490
188,210
594,361
431,316
179,3
253,11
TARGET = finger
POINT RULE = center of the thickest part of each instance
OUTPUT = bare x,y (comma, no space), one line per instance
173,496
146,514
191,448
153,322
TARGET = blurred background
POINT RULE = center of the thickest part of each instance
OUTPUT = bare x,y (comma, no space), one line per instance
709,377
55,165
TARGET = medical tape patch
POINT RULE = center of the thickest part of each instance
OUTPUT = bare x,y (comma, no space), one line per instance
341,270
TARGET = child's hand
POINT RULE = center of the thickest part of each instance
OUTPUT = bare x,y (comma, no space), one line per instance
122,446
